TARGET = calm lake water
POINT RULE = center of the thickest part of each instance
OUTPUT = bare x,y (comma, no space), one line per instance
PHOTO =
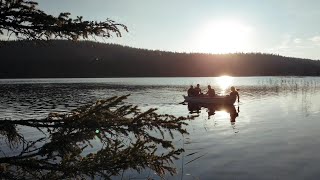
275,135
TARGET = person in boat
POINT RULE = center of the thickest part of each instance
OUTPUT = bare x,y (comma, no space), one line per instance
191,91
197,90
234,93
211,92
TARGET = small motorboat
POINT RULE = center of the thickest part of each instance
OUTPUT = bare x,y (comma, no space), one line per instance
210,100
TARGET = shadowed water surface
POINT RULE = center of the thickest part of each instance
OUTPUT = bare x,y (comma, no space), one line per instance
274,135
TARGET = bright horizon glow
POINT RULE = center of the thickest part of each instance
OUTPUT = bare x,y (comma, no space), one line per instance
284,27
224,82
223,36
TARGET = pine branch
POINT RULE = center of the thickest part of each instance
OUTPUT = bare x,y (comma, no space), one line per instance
130,137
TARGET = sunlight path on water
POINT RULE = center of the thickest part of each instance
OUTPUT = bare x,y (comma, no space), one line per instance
224,82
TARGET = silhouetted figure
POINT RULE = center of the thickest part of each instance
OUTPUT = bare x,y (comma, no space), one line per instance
211,92
191,91
234,94
197,90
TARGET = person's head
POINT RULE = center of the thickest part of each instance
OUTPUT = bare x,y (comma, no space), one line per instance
233,88
209,87
198,85
191,86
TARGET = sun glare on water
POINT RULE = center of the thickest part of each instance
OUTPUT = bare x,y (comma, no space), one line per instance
224,82
223,37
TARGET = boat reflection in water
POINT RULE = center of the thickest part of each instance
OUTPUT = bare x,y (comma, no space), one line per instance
212,108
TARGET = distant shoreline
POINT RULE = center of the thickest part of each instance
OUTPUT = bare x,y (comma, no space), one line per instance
85,59
145,77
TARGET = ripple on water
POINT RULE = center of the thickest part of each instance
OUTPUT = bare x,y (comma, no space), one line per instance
275,135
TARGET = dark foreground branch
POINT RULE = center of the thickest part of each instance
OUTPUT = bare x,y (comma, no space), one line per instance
22,19
129,139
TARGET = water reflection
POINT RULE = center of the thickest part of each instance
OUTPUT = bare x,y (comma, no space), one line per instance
99,140
231,110
279,119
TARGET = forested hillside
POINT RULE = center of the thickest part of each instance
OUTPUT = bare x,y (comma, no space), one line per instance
60,58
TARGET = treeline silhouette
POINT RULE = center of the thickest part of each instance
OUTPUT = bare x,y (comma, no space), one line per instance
61,58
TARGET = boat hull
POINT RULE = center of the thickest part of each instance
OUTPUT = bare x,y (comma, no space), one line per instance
210,100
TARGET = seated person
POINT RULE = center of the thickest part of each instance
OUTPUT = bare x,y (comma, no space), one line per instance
197,90
234,93
211,92
191,91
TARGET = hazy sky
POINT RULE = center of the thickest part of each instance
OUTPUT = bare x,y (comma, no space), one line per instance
286,27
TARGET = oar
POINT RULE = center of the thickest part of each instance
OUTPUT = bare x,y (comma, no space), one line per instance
182,102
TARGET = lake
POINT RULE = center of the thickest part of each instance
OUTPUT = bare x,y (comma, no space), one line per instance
273,133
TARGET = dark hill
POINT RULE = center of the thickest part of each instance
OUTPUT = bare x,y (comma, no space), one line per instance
60,58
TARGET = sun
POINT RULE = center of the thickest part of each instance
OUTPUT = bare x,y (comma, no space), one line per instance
223,36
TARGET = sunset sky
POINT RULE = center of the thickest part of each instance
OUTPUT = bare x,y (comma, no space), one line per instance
286,27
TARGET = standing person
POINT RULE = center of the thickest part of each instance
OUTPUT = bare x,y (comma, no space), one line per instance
211,92
197,90
191,91
234,94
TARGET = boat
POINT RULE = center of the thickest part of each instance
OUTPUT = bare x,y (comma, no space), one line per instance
210,100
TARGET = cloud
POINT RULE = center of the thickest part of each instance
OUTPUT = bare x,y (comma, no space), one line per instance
315,39
297,46
297,40
294,46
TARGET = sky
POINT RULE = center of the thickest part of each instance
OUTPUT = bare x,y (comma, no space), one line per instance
285,27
